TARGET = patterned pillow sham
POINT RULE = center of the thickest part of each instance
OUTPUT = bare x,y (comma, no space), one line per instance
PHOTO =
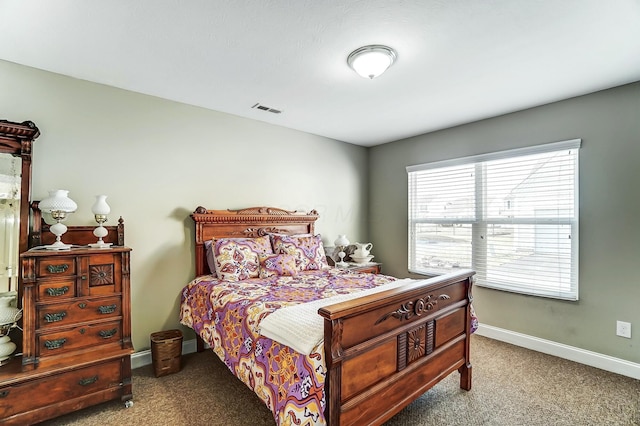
277,264
307,250
237,259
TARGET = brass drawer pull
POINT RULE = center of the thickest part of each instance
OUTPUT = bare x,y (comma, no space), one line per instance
88,381
57,269
57,291
106,334
107,309
54,344
4,393
55,317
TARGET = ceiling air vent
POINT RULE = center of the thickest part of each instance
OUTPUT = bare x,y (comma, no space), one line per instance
266,108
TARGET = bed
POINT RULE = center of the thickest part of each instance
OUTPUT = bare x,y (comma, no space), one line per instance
383,341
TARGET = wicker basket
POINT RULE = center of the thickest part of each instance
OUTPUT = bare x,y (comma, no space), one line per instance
166,352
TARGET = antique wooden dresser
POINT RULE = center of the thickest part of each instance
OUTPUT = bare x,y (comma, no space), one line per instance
76,334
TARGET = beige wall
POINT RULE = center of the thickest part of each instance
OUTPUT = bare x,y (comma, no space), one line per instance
158,160
608,124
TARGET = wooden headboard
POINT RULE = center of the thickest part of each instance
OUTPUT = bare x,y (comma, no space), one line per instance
250,223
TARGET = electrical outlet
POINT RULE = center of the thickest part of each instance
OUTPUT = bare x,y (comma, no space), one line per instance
623,329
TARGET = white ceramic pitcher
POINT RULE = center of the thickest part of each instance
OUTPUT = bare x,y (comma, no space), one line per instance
362,250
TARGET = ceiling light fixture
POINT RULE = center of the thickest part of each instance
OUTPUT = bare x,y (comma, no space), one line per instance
371,61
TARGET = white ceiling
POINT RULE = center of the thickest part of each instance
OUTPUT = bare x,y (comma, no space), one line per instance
458,60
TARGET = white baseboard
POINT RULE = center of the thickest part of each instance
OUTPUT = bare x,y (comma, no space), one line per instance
142,358
594,359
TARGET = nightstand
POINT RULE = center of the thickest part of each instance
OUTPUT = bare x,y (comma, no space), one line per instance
371,267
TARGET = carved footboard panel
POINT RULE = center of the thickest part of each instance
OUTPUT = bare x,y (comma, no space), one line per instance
385,350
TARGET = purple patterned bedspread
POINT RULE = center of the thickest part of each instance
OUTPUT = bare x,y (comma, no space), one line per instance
227,316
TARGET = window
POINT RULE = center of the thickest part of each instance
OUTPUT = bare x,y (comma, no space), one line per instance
512,216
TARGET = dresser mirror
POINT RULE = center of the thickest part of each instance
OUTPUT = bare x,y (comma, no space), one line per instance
15,188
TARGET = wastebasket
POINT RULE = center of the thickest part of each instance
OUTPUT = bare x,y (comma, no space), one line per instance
166,352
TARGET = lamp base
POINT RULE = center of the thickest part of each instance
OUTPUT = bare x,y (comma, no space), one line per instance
7,347
101,245
58,245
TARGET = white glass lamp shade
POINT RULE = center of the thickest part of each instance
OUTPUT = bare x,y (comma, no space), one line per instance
100,207
58,204
341,241
58,200
8,313
371,61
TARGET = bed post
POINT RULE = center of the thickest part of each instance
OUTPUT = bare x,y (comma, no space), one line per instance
333,354
200,345
465,369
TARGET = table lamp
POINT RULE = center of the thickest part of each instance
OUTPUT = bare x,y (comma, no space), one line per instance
341,242
100,211
58,204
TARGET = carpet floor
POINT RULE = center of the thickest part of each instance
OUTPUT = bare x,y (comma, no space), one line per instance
512,386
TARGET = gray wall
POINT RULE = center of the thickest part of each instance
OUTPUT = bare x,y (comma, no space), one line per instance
158,160
608,123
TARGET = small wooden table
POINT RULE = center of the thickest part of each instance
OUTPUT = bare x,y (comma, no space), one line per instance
370,267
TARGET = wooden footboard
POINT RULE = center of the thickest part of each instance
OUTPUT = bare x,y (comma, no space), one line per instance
385,350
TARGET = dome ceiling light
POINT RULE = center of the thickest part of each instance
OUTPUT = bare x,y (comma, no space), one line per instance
371,61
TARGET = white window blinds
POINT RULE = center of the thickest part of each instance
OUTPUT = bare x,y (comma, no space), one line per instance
512,216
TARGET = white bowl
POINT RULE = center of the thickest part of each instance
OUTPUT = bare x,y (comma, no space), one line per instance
365,259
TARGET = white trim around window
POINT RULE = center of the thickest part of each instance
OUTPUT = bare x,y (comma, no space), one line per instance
512,216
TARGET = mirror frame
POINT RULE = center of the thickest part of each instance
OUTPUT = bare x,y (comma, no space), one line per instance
16,139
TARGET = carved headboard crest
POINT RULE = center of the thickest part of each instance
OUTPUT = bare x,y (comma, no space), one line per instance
263,210
259,232
252,214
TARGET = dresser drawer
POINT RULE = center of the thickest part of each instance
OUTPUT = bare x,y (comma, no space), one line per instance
56,290
56,267
78,310
83,336
53,389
